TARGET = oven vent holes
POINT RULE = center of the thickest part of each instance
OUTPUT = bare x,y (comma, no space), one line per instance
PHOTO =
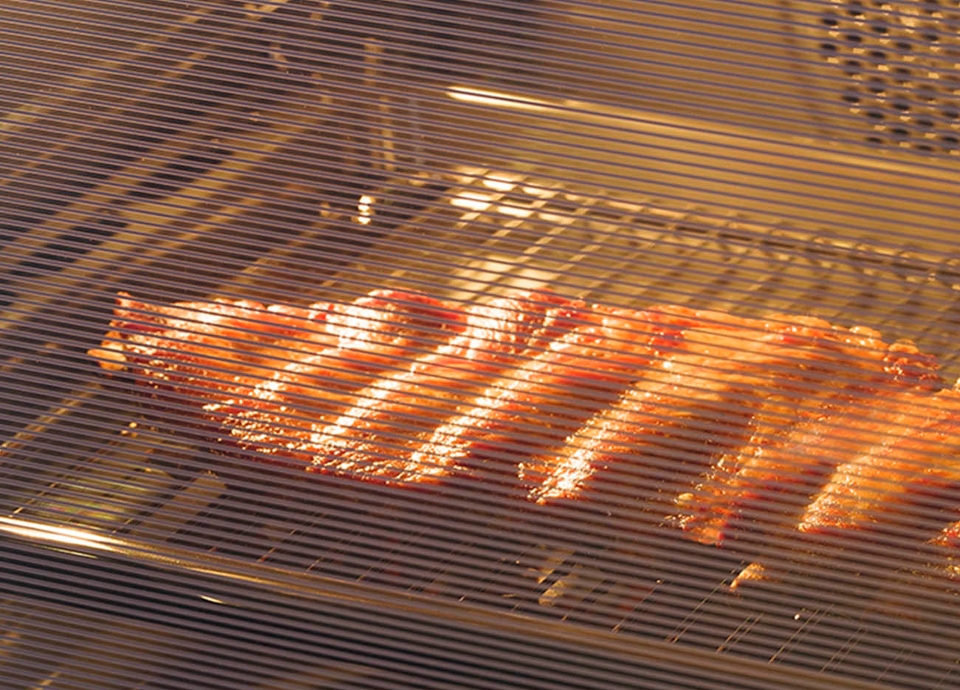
900,66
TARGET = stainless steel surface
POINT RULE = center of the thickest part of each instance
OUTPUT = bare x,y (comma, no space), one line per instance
898,66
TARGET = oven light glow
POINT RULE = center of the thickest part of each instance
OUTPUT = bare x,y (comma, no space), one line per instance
365,209
56,534
515,211
495,98
499,183
474,201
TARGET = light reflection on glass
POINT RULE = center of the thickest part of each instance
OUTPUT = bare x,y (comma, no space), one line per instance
495,98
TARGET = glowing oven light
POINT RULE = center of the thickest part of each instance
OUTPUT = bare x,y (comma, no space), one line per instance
365,209
495,98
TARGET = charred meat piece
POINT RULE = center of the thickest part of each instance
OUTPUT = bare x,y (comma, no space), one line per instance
692,404
538,404
797,436
388,420
192,352
380,334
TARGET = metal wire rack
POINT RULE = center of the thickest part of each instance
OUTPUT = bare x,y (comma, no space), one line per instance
470,234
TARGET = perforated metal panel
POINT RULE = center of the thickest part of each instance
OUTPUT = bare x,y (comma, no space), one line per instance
895,67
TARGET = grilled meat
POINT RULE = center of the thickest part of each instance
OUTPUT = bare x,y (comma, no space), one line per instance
692,404
375,437
538,404
798,435
376,335
199,351
888,474
820,432
902,478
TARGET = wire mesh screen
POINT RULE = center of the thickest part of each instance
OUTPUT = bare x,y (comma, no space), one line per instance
318,318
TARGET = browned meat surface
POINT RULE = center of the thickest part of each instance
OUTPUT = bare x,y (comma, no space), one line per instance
949,537
380,334
798,435
199,351
903,479
538,404
817,436
693,403
394,318
375,437
889,479
946,548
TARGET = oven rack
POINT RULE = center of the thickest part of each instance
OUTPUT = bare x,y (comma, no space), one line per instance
92,464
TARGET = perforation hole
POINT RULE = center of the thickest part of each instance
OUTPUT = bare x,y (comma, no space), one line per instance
901,60
853,67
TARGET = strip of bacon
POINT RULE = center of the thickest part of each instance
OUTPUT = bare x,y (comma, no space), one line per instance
380,334
390,418
692,404
544,400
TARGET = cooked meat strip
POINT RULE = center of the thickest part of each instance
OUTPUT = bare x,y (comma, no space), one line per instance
693,403
375,437
889,474
541,402
789,478
378,334
889,478
901,481
794,441
394,318
197,351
